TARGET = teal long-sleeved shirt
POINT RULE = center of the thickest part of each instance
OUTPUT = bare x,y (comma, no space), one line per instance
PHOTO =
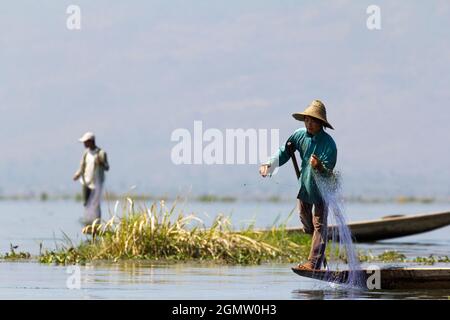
320,144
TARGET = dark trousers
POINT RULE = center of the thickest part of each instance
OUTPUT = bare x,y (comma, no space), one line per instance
86,193
314,220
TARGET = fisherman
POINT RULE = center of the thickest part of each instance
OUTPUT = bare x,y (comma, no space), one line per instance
318,154
91,174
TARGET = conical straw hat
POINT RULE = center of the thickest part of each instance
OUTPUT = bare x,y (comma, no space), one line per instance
316,110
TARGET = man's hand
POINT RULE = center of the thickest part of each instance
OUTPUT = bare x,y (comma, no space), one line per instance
102,161
315,163
76,177
264,170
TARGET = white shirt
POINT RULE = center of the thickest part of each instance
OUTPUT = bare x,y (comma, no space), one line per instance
90,172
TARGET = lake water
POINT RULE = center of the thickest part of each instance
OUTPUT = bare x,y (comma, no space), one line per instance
29,223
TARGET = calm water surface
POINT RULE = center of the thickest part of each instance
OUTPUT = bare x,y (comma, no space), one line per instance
29,223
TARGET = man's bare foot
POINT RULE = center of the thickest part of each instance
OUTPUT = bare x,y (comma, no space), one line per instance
306,266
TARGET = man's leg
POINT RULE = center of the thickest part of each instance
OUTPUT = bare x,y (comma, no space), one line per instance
86,192
305,212
319,239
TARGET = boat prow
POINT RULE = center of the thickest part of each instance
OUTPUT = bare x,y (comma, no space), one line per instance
396,278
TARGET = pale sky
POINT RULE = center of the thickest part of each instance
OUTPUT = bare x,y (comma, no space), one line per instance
138,70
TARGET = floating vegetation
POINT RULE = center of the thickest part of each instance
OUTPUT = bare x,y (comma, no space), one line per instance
214,198
386,256
395,256
157,234
44,196
13,255
405,199
64,256
431,259
392,256
396,199
274,199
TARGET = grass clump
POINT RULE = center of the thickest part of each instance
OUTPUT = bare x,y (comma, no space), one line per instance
392,256
214,198
395,256
157,234
386,256
431,259
13,255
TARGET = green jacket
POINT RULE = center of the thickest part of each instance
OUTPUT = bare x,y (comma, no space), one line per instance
321,144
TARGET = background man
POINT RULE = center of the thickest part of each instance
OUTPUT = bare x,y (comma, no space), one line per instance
91,173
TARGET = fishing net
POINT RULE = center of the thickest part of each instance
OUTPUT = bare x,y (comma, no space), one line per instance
92,210
342,254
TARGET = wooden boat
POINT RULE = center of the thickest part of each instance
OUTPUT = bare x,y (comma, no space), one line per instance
393,226
400,278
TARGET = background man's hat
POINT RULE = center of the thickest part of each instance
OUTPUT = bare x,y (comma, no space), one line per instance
87,136
316,110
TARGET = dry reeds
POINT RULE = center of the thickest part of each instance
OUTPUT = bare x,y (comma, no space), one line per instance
155,233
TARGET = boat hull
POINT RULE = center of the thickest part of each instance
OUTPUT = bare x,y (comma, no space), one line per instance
390,279
393,226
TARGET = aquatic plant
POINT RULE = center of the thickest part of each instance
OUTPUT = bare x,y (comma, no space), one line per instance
391,256
214,198
157,234
386,256
13,255
431,259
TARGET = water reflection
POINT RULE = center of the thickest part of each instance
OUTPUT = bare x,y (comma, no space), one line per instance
144,280
340,294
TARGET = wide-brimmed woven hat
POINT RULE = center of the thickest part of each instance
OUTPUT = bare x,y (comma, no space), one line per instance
316,110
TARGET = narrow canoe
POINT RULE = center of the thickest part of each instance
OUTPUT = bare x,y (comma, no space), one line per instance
393,226
401,278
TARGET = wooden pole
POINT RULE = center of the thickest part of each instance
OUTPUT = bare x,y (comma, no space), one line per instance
291,150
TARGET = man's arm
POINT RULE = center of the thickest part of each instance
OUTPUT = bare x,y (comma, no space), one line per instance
281,156
106,163
103,160
326,161
78,173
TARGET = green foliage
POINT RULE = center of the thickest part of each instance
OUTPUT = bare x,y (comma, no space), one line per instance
13,255
431,259
156,234
387,256
213,198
